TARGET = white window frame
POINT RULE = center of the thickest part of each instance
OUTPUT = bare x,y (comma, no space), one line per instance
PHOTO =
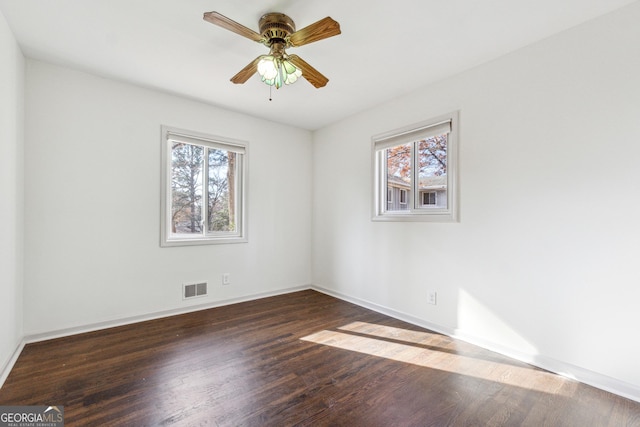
411,134
171,134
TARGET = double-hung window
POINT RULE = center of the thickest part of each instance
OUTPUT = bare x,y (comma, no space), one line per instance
203,189
415,170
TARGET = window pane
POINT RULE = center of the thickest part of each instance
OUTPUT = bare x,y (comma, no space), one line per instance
432,173
221,190
186,188
398,161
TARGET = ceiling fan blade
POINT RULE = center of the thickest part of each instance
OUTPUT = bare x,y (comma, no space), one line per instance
308,72
322,29
228,24
248,71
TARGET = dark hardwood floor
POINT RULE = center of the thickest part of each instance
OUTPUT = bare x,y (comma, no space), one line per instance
299,359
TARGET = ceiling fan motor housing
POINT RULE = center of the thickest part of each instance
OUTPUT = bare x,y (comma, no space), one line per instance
276,27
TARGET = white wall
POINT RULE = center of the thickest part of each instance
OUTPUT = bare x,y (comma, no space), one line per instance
11,192
92,254
544,262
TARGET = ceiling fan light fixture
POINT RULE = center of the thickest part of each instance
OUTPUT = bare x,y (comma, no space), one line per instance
278,32
267,67
276,71
292,72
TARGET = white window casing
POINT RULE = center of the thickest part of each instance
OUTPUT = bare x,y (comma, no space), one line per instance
413,134
170,238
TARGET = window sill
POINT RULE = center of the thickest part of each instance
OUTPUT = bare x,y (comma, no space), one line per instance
203,241
415,217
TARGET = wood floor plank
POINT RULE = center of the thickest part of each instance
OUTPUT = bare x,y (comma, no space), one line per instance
303,359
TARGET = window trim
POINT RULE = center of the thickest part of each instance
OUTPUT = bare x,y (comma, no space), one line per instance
169,134
410,134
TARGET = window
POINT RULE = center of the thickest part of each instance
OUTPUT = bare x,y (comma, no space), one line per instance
417,166
403,198
203,194
429,198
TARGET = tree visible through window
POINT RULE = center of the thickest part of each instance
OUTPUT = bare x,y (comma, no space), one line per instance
432,162
186,188
187,169
205,184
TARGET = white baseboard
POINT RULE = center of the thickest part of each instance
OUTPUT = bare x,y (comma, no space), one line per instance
6,369
564,369
37,337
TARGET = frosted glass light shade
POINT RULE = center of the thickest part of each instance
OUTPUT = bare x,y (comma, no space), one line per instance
277,71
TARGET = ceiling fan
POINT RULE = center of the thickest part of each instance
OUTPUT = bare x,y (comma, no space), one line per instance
278,32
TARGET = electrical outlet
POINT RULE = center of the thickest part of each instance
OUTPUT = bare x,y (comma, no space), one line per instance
226,280
432,297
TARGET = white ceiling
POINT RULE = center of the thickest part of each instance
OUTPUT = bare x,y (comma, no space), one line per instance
386,49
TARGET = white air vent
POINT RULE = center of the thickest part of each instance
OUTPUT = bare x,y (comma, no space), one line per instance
192,290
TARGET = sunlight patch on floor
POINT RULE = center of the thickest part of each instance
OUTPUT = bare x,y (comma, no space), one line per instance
382,341
390,332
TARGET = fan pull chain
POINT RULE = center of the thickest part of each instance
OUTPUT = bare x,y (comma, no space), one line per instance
270,87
